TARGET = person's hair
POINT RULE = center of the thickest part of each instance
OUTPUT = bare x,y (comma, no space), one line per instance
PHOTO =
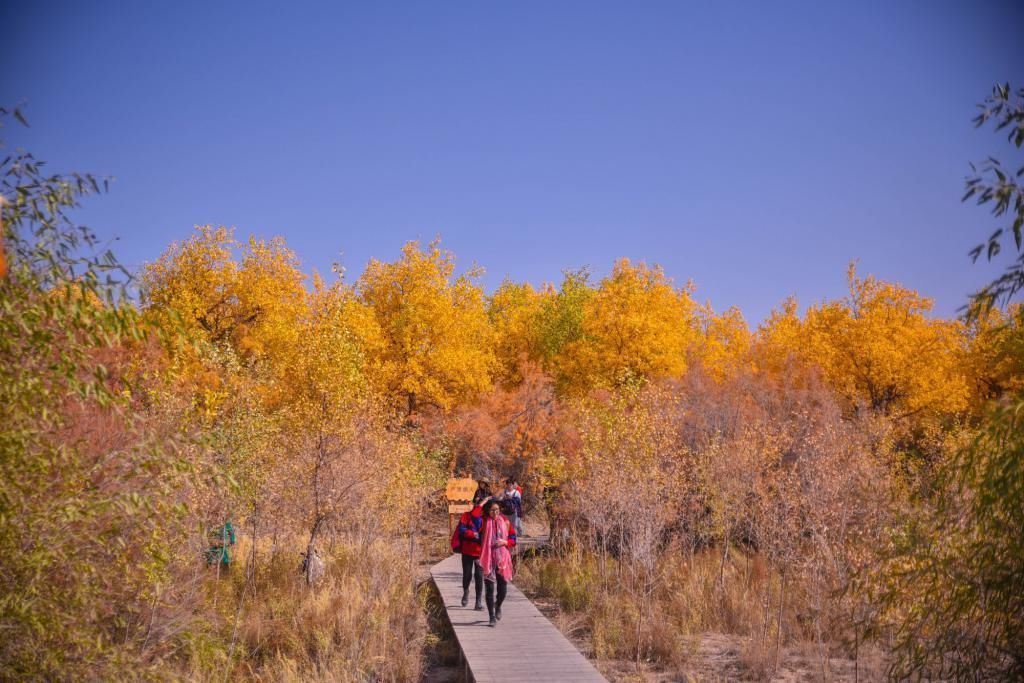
489,504
479,496
510,480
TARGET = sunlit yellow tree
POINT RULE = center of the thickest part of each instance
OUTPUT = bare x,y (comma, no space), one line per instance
879,349
560,323
995,358
514,310
636,326
437,341
780,340
253,304
324,389
725,341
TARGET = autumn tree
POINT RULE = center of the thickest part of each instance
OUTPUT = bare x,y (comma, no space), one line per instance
437,341
779,340
636,326
626,483
725,341
324,389
560,323
252,303
995,357
239,307
508,431
880,350
514,310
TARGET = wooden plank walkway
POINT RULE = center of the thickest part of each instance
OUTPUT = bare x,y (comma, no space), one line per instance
524,646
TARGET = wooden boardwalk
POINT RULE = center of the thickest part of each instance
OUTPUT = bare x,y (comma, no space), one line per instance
524,646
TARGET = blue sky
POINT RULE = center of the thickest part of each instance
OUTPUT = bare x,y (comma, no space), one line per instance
755,148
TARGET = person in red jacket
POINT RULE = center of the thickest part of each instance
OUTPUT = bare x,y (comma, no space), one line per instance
470,532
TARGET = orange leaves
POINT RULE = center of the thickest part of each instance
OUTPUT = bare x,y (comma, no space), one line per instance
509,430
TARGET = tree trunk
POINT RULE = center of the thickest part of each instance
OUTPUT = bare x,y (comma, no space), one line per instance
856,654
412,403
311,550
778,632
767,604
725,558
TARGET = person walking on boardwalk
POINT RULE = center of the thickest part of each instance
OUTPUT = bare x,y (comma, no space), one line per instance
470,532
496,557
514,495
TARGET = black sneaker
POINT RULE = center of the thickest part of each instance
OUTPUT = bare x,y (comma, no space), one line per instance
479,606
497,613
465,597
493,622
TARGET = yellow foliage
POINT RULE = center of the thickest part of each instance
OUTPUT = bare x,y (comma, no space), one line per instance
779,340
879,349
995,357
254,305
269,289
637,326
437,342
725,343
513,310
325,378
194,280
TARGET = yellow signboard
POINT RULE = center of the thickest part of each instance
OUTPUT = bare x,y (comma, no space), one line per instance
459,493
460,490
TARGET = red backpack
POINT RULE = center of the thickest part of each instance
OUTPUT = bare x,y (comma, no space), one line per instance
456,540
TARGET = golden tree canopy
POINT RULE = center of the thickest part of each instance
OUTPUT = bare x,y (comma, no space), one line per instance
436,339
636,326
879,348
725,341
254,304
514,311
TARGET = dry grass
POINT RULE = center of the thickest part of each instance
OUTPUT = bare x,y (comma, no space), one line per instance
696,620
362,621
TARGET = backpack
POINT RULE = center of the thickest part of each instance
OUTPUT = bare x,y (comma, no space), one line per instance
456,541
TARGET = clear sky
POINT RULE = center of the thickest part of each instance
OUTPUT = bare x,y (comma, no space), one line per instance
755,147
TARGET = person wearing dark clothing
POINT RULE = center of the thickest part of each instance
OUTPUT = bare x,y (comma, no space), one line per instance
514,495
470,532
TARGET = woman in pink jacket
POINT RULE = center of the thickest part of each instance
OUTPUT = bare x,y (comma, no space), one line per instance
499,538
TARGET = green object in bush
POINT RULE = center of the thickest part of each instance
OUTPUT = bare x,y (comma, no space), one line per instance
221,539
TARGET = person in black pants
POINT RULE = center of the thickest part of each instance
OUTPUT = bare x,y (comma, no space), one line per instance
470,530
471,572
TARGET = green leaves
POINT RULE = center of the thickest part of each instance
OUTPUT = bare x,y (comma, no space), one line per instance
951,578
992,183
78,483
